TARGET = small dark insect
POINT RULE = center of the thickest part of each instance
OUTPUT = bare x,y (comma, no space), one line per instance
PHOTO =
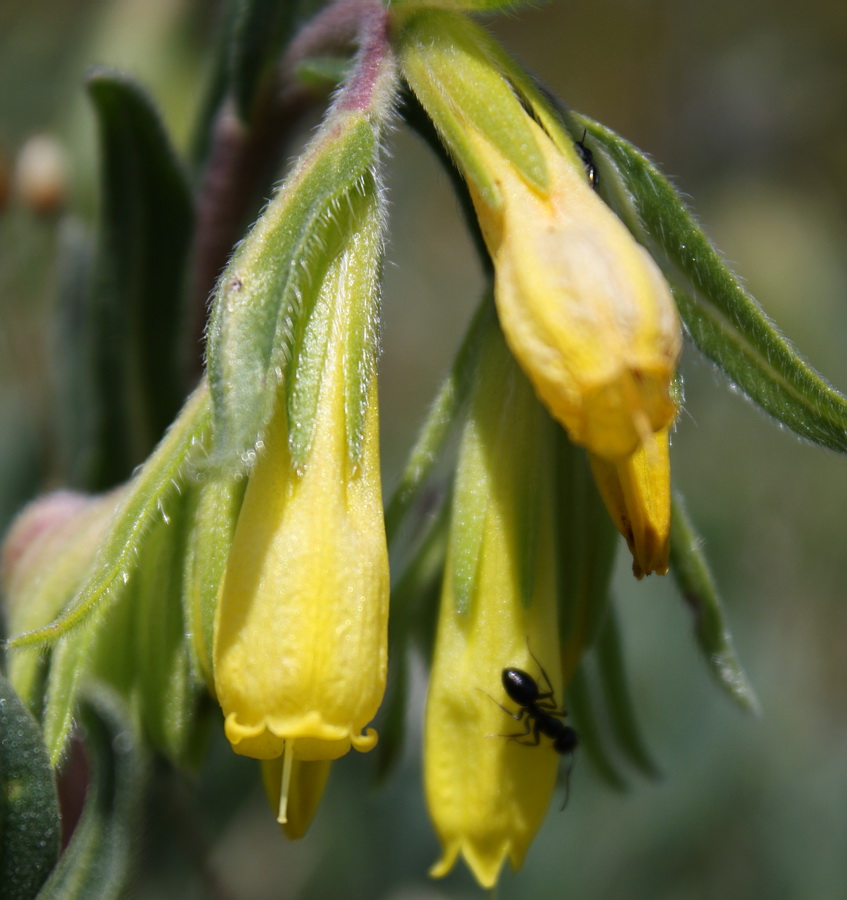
538,711
540,714
587,158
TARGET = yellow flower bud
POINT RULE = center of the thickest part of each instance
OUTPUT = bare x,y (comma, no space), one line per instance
637,493
584,308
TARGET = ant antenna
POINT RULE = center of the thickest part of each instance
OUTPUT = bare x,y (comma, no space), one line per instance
568,782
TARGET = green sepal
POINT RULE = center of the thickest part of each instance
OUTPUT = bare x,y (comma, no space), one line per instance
691,572
416,590
503,471
167,692
216,502
451,65
586,544
623,723
29,806
262,29
272,276
141,506
347,299
444,413
136,310
582,706
99,861
721,318
70,661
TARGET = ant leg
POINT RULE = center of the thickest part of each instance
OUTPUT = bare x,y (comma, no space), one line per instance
518,717
546,699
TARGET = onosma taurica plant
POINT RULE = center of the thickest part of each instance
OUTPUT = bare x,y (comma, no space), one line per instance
223,560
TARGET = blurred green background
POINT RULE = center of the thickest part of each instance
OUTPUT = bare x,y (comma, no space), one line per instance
745,107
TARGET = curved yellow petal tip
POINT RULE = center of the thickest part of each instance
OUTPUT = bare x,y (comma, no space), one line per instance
637,494
314,738
364,743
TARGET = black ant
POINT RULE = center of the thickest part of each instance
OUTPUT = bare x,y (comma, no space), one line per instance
587,158
541,714
538,710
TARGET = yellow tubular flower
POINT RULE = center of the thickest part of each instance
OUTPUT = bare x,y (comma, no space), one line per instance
300,647
584,308
487,795
637,493
300,642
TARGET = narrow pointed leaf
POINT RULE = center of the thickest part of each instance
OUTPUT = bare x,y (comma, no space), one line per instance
98,863
691,573
167,691
262,29
451,399
722,319
29,806
592,740
141,506
416,589
586,547
137,309
70,658
216,505
618,699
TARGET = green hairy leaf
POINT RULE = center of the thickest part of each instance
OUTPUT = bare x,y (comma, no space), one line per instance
29,806
721,318
262,29
98,862
449,402
270,279
622,721
142,505
691,573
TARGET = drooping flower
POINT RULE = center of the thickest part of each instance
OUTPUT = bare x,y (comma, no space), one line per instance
487,791
300,646
584,308
301,633
301,626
